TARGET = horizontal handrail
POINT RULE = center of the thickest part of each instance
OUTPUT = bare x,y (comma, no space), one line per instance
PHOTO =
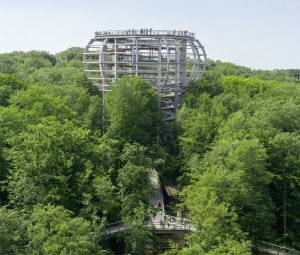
270,248
114,224
168,223
145,31
165,226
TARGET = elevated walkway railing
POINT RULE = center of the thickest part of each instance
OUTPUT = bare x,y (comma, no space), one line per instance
114,228
163,223
172,227
144,31
160,223
273,249
171,224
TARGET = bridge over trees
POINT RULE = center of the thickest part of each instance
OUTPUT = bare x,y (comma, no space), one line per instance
159,221
160,224
163,223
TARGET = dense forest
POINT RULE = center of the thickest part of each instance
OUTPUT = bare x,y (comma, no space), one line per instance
70,162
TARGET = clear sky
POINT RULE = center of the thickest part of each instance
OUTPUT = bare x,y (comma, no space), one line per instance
261,34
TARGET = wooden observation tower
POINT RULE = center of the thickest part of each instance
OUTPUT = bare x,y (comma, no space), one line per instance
168,59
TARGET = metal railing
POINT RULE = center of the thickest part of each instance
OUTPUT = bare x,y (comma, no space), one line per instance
114,228
172,223
167,223
168,226
144,31
273,249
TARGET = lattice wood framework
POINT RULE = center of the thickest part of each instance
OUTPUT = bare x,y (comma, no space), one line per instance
168,59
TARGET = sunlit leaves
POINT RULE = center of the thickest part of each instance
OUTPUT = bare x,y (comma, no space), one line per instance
133,110
53,230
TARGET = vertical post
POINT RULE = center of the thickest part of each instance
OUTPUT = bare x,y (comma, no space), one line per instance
177,62
136,57
159,63
182,62
116,59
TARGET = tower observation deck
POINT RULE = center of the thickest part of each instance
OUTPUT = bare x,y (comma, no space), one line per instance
168,59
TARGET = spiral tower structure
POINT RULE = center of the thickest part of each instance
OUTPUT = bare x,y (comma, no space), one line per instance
168,59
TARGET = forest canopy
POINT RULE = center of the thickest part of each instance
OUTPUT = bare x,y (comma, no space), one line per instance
70,164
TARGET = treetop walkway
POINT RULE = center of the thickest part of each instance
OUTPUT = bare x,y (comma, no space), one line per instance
273,249
161,223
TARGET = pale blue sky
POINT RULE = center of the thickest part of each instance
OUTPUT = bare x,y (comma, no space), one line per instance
261,34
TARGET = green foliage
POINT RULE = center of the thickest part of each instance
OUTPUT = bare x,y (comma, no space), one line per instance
63,103
71,54
9,84
62,179
138,232
200,124
135,154
13,237
134,115
244,87
134,184
134,192
236,171
241,145
53,230
284,161
133,178
64,68
217,228
50,163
